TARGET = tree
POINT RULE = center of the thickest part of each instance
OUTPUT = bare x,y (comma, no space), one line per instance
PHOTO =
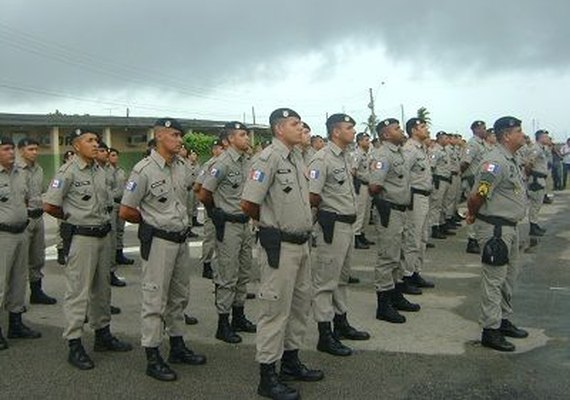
424,114
199,142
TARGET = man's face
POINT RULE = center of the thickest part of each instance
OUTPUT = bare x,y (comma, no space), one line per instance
113,157
393,133
239,139
29,153
345,132
421,131
86,146
102,155
7,155
306,138
516,137
169,139
364,143
443,140
544,139
290,130
318,144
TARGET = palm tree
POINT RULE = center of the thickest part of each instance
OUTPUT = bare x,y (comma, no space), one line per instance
424,114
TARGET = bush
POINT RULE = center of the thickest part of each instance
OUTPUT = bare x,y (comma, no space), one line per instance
201,143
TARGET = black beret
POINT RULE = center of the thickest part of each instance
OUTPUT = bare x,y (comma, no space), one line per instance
490,131
336,118
306,126
235,125
412,122
386,122
27,142
477,124
282,113
4,140
151,143
216,142
168,123
506,123
361,135
223,135
441,133
102,145
77,132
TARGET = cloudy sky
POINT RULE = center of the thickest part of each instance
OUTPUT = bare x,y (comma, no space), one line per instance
461,59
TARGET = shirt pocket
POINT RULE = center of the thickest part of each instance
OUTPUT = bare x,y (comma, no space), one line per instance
160,194
286,185
5,193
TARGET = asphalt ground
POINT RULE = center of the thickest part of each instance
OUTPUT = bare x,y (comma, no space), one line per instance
435,355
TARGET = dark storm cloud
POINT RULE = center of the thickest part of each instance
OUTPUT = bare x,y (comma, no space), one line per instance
104,46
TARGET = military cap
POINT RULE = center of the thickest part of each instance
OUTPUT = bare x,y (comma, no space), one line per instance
77,132
477,124
316,137
506,123
386,122
235,125
216,142
4,140
306,126
490,131
413,122
540,133
336,118
441,133
102,145
27,142
361,135
223,135
282,113
168,123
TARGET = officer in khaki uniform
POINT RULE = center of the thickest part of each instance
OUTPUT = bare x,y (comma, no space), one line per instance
361,172
390,186
416,226
155,197
78,195
332,195
440,166
276,194
450,200
307,150
14,194
538,172
221,195
28,153
497,205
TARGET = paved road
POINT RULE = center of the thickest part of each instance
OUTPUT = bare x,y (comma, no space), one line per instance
435,355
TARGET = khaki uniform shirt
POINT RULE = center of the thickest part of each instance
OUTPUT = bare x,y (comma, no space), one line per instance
389,170
361,164
473,155
538,157
118,180
440,162
35,179
205,169
418,164
14,194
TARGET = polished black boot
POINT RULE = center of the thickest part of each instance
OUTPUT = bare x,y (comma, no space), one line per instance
17,329
536,230
225,332
60,257
446,230
105,341
240,323
207,271
400,302
38,296
180,354
508,329
409,286
3,342
78,357
494,339
115,310
436,233
116,281
292,369
190,320
343,330
359,244
385,310
156,367
328,343
271,387
195,222
121,259
366,241
420,282
473,246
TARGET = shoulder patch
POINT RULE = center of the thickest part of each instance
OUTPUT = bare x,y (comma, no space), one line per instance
130,186
257,175
491,167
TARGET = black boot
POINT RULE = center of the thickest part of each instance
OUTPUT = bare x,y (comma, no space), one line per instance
420,282
328,343
207,271
508,329
240,323
17,329
353,280
60,257
436,233
536,230
156,367
190,320
473,246
225,332
78,357
292,369
343,330
38,296
385,310
115,310
430,245
195,222
121,259
180,354
271,387
400,302
446,230
409,287
3,342
116,281
359,243
105,341
494,339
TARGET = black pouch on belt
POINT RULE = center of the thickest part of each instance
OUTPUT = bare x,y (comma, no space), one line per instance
436,181
327,220
495,252
357,184
66,232
219,221
384,210
145,234
270,240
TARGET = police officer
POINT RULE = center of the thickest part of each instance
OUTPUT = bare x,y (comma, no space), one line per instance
451,198
276,194
497,204
538,172
332,195
78,195
416,227
390,187
67,156
440,165
155,197
307,151
14,194
361,176
28,154
470,161
221,195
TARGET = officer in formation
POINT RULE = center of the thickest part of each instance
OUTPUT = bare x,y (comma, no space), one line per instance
276,194
155,197
441,168
361,176
221,194
67,156
14,194
537,169
28,154
496,206
332,196
453,195
79,196
390,186
307,151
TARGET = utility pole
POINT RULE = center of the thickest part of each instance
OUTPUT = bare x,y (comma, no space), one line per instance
371,123
253,114
402,114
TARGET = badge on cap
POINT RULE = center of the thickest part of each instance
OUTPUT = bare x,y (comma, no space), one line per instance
346,118
167,124
78,132
285,113
236,126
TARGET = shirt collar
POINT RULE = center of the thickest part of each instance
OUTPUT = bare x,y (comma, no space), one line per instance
81,163
155,155
393,147
234,154
335,149
508,155
281,148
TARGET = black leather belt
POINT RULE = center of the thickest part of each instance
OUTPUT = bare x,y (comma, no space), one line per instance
35,213
454,173
422,192
496,220
347,219
117,200
538,174
442,178
239,218
98,231
176,237
398,207
295,238
363,183
14,228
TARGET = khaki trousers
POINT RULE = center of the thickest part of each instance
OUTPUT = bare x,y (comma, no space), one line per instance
535,203
13,271
436,210
209,242
36,248
363,204
119,227
416,235
388,269
451,197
